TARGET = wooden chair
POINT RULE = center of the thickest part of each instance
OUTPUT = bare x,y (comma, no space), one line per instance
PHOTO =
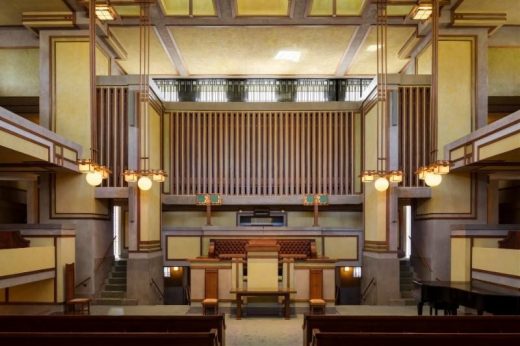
74,305
210,301
316,301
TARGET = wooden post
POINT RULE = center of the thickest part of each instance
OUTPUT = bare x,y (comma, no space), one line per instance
208,214
316,201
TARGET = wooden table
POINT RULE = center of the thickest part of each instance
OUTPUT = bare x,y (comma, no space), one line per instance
262,293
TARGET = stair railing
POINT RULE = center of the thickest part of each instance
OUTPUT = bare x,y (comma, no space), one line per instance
157,289
105,256
371,283
424,262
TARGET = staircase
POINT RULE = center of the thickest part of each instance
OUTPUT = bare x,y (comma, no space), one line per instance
114,290
405,284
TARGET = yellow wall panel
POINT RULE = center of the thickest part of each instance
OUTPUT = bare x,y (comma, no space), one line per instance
66,253
486,242
74,195
452,196
460,259
262,273
37,292
504,71
341,247
501,146
21,145
424,61
183,247
39,241
72,91
20,72
102,63
456,63
375,214
23,260
486,259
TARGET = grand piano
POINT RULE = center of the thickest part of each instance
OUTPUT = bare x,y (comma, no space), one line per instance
448,296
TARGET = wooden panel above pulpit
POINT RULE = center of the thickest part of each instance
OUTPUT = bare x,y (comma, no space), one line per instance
262,264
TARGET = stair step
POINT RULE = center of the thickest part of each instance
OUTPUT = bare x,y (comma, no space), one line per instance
118,275
119,269
113,294
116,281
115,287
114,301
120,264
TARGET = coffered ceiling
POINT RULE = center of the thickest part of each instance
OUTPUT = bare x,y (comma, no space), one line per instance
206,38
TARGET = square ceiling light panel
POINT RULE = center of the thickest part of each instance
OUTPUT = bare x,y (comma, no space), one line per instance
343,7
181,8
262,8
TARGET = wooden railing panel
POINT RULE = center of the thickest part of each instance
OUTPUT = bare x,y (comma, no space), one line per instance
414,131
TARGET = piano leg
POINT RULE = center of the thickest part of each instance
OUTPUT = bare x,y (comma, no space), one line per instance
419,308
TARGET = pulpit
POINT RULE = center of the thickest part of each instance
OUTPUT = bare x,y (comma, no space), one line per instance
262,264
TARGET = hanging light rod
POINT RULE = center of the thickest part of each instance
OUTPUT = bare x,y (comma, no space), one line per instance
95,172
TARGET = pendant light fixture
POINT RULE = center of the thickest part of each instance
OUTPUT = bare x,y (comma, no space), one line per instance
433,172
381,177
144,176
95,172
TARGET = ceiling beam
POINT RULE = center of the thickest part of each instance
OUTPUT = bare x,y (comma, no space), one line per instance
167,41
369,16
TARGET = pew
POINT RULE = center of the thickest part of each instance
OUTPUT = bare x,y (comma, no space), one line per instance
413,339
409,324
208,338
113,324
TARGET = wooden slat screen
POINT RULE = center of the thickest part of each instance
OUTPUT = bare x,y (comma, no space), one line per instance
112,127
261,153
414,132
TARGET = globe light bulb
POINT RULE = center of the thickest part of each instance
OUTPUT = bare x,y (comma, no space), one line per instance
433,179
381,184
144,183
94,178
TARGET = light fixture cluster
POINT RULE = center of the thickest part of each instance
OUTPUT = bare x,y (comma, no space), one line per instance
144,177
381,179
95,173
432,174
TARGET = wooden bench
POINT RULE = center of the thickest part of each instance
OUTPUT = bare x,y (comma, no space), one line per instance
405,324
232,248
114,324
209,338
413,339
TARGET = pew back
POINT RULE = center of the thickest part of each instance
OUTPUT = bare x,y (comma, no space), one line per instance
413,339
208,338
409,324
116,324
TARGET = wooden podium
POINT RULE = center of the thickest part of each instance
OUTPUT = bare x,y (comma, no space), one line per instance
262,264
